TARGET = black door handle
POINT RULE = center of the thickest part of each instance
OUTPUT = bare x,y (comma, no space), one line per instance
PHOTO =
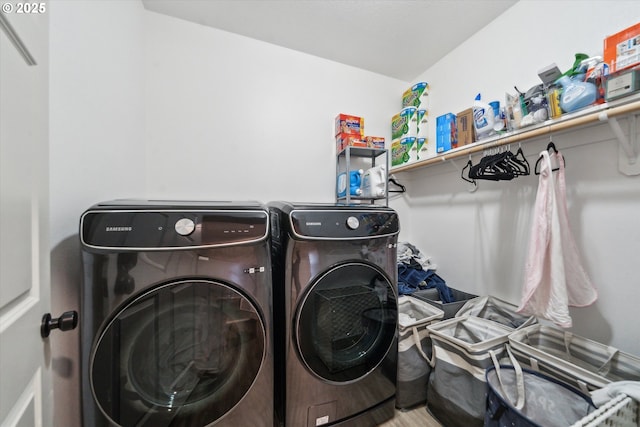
66,322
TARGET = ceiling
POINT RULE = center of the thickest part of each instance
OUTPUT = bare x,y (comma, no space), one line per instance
395,38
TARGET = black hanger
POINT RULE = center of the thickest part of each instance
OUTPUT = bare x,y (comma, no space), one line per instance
493,167
467,178
521,161
393,181
550,147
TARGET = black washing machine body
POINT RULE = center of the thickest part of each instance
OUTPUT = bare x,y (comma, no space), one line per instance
335,304
176,315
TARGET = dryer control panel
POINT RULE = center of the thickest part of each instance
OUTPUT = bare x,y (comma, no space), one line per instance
344,224
171,229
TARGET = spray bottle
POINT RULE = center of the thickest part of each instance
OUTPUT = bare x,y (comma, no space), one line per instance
596,72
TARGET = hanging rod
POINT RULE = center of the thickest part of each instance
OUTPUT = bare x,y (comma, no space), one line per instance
542,129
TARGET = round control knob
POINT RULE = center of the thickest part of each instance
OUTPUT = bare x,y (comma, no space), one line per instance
185,226
353,223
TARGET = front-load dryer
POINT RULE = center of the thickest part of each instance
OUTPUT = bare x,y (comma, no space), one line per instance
176,315
336,310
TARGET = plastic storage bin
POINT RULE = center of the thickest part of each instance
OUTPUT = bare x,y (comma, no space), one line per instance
449,309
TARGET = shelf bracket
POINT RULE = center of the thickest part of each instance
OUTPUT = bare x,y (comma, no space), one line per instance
628,152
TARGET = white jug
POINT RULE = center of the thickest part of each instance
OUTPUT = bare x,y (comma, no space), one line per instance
374,182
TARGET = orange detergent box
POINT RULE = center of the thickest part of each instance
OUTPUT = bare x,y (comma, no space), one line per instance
344,139
351,125
622,50
376,142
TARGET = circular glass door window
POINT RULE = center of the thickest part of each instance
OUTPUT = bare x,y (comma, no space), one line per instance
184,353
346,322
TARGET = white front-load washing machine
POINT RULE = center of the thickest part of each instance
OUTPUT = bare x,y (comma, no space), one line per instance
176,314
336,307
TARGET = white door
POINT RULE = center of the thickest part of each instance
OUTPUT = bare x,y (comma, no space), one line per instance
25,395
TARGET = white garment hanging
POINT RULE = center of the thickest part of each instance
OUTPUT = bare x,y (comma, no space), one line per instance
554,276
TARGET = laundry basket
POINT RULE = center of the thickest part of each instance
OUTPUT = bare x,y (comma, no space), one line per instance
525,398
450,308
578,361
463,348
621,411
496,310
414,350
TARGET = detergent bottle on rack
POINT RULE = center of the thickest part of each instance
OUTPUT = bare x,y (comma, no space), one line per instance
354,186
483,118
576,94
374,181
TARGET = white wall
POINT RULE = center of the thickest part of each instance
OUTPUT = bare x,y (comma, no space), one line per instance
97,107
233,118
96,149
479,239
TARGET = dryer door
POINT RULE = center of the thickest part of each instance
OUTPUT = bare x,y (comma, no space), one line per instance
183,354
346,322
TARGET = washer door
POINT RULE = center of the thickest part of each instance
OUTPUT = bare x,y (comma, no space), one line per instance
346,322
182,354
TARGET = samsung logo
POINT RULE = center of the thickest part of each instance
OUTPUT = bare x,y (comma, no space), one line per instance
313,223
119,229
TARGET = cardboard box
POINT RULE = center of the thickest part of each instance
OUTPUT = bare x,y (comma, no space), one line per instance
376,142
344,139
446,132
347,124
622,50
464,126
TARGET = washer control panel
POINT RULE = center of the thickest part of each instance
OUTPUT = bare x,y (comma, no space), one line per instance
157,230
344,224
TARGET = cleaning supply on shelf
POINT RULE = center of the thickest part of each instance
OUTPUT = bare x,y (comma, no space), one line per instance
597,72
576,94
374,182
354,186
577,68
483,117
446,133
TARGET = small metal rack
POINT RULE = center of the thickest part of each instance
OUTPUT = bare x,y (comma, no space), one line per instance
375,157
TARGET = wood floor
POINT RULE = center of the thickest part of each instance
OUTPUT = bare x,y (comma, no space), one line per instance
415,417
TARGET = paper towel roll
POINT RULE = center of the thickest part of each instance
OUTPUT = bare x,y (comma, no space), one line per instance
422,116
404,124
